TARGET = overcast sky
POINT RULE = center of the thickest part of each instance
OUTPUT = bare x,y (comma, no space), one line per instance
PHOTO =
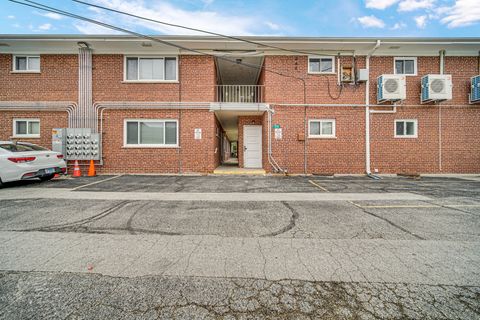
429,18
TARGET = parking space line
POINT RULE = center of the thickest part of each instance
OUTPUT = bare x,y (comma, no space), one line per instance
415,206
318,186
96,182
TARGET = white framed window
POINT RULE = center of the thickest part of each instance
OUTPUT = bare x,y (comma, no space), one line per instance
26,63
406,128
321,64
26,128
321,128
151,133
150,69
405,65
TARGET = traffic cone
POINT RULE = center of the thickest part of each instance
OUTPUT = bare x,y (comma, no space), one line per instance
91,169
76,170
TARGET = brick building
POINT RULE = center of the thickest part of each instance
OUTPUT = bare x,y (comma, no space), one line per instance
317,106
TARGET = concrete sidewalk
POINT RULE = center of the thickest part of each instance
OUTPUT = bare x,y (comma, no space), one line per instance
347,260
53,193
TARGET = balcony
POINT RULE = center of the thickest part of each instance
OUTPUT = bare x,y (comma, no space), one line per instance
239,93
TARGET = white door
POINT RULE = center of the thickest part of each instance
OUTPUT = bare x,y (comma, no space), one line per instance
252,146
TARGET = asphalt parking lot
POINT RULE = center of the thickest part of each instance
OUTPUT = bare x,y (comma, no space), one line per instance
249,247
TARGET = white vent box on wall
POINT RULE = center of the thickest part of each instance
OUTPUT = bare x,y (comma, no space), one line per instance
436,87
475,90
391,87
362,75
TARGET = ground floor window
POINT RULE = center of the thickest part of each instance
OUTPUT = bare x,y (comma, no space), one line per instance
29,128
321,128
151,133
406,128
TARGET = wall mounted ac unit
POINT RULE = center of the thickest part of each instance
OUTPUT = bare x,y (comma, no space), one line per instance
436,87
475,90
391,87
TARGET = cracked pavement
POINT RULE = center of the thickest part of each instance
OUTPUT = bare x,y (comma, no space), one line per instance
170,247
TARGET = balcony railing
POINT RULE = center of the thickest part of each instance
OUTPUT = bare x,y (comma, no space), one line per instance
239,93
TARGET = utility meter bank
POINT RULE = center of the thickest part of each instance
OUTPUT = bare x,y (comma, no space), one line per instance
76,143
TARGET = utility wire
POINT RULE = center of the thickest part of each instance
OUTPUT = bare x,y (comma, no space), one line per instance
200,30
43,7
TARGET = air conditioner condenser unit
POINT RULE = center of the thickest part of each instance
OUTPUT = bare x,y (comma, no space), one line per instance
436,87
475,90
391,87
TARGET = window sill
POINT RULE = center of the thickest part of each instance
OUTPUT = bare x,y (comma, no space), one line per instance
149,147
150,81
26,136
325,73
26,71
406,74
406,137
321,137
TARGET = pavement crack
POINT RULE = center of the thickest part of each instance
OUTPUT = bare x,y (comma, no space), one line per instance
387,221
288,227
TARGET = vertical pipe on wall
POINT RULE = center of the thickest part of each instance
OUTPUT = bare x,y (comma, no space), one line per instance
442,61
367,110
440,137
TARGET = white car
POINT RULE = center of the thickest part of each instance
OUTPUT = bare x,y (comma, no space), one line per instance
21,161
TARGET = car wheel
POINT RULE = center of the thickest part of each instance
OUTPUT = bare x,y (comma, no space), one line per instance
46,178
1,183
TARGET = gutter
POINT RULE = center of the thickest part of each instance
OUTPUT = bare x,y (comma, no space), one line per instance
367,110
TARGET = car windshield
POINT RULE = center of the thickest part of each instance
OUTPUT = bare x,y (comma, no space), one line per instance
19,147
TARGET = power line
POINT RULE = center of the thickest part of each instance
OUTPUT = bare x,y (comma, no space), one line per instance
199,30
43,7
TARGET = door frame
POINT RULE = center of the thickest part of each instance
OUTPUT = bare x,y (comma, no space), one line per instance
245,145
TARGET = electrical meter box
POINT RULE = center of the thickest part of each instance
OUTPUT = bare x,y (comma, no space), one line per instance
76,143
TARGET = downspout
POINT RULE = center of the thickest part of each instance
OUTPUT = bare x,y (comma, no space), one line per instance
271,160
442,61
367,110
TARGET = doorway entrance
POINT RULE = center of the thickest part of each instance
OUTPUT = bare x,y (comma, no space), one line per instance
252,146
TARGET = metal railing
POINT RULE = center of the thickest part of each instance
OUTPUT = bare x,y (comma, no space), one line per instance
239,93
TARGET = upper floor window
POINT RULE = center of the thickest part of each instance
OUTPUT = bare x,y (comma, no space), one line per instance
29,128
322,128
26,63
406,65
406,128
150,69
321,65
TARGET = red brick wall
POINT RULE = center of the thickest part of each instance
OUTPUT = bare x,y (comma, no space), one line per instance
57,81
196,74
281,89
48,121
459,150
343,154
192,155
460,138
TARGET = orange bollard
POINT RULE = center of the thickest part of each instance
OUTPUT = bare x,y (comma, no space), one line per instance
76,170
91,169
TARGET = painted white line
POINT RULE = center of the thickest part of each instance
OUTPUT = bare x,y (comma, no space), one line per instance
318,186
96,182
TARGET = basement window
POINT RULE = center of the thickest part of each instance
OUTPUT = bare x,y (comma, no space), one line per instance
406,128
26,63
321,65
151,133
324,128
151,69
26,128
406,66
